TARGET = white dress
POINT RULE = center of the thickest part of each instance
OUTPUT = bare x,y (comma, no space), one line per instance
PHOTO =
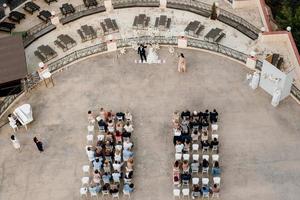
152,56
16,143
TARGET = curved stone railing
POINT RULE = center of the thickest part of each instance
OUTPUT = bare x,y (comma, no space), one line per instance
33,79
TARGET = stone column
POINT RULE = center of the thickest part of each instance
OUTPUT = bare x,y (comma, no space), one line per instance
111,44
54,19
108,5
163,4
182,42
251,61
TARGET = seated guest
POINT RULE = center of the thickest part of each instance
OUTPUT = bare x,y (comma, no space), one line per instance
118,136
102,125
176,167
205,163
204,125
91,118
204,136
128,176
176,180
185,166
119,145
119,126
128,188
215,189
120,116
216,171
106,187
205,144
195,116
204,190
99,153
196,191
128,116
114,189
128,127
106,177
213,116
214,142
184,129
97,177
195,125
108,136
109,115
205,115
118,155
90,154
110,126
102,114
129,165
116,176
187,146
108,145
97,164
126,135
107,166
179,147
195,135
176,117
108,154
117,165
186,176
186,114
13,120
127,144
177,135
94,188
127,154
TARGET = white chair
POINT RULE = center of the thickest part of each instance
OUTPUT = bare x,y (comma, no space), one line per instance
195,168
206,157
90,139
94,194
105,193
215,195
86,169
217,180
205,195
126,193
98,118
176,193
185,182
127,180
215,157
91,129
186,156
83,192
13,126
205,170
100,137
195,180
186,193
115,195
215,148
205,181
85,180
178,156
195,147
213,136
214,127
196,157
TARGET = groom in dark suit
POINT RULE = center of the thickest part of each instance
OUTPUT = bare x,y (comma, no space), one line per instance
142,52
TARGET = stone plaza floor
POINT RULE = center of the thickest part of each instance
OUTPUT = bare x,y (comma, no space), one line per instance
259,143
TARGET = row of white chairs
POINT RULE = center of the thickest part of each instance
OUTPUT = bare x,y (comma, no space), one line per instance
185,193
94,195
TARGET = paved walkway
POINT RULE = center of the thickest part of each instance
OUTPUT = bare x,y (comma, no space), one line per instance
259,144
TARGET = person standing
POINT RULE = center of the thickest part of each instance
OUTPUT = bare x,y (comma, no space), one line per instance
39,144
15,142
181,63
142,52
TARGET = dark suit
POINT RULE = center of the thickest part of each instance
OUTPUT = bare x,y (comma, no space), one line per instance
142,52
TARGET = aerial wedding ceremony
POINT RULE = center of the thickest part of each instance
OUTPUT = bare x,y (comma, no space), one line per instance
149,99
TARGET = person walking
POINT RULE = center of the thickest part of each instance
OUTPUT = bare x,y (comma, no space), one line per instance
181,63
142,52
15,142
39,144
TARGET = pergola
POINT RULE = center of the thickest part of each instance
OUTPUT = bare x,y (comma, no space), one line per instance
13,66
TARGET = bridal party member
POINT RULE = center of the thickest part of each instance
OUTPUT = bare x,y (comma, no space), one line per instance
181,63
142,52
39,144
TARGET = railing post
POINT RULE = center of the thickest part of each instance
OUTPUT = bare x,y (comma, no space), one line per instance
108,5
163,4
182,42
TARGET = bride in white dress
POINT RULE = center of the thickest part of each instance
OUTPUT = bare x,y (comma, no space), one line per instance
152,56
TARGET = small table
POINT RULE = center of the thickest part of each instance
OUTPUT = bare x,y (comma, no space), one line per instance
31,7
67,9
45,15
16,16
213,34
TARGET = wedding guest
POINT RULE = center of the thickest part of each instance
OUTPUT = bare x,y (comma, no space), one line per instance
181,63
213,116
142,52
128,116
128,188
91,118
39,144
15,142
